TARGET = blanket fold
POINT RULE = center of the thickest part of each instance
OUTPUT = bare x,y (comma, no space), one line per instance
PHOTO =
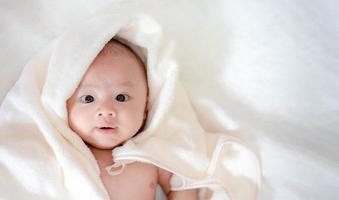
42,158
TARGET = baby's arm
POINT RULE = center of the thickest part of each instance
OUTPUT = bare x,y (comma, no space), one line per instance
164,181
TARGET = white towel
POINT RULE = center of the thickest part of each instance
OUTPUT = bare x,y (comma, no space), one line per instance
42,158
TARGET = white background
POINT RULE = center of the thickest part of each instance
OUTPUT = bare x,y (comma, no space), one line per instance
268,70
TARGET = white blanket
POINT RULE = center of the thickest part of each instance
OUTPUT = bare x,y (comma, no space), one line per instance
267,68
43,158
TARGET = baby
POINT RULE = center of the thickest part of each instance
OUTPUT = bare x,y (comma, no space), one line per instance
108,108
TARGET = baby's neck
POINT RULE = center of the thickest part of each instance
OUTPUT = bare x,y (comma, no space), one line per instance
103,156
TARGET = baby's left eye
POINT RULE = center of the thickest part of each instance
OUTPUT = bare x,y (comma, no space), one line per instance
87,99
122,97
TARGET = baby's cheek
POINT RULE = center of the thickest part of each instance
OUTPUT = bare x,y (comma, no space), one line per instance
78,119
138,121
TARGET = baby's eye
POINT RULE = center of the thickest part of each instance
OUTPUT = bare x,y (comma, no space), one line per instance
87,99
122,97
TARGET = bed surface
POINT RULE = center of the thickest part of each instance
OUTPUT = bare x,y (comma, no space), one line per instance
265,71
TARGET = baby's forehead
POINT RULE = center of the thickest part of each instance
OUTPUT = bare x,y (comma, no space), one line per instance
118,51
116,48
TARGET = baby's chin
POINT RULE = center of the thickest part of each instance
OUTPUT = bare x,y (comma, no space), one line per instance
103,146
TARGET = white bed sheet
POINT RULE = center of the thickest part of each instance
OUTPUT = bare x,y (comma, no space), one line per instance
266,71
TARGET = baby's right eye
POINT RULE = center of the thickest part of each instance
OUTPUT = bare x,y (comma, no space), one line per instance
86,99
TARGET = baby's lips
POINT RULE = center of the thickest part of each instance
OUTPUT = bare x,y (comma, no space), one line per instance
106,127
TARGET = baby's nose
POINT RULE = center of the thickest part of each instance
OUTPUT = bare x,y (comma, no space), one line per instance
106,111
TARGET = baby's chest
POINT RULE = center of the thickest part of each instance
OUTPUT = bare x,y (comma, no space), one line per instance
137,181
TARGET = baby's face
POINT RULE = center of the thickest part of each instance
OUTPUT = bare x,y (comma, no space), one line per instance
109,105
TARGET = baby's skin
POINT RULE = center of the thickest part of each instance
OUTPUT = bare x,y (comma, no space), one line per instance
109,107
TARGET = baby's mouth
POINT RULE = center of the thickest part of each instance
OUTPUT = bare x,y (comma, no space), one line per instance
107,129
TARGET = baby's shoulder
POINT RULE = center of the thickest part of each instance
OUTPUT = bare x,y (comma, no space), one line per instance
149,168
143,170
142,166
149,171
